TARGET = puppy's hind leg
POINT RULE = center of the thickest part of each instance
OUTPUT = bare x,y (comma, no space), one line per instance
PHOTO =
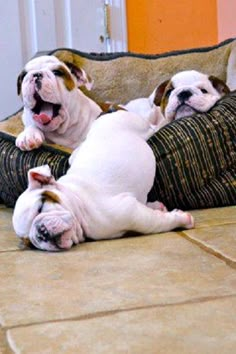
142,219
157,206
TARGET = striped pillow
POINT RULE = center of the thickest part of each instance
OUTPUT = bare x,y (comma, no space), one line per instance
196,159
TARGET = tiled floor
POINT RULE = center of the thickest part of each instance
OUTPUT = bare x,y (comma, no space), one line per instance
168,293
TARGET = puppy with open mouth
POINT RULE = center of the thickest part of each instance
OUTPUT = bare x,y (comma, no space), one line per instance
188,92
55,109
103,194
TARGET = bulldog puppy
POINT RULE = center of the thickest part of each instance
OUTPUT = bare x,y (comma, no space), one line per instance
55,109
146,108
103,194
188,92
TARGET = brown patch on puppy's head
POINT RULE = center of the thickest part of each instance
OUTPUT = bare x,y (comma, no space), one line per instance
20,80
162,94
219,85
49,196
83,79
62,72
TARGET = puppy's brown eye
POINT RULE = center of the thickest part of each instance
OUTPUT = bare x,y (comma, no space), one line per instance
40,208
168,92
58,72
204,90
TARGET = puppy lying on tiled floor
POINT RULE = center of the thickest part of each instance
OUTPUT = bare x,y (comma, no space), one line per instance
103,194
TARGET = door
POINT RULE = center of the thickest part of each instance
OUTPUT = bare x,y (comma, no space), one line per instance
32,27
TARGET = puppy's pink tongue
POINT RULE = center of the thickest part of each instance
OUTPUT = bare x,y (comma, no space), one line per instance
42,118
45,115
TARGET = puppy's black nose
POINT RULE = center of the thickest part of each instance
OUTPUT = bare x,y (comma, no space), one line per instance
184,95
42,233
38,76
38,80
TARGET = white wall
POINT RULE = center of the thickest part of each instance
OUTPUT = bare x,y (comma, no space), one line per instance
28,27
11,60
226,12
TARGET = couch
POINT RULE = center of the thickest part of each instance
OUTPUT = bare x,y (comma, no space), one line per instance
195,156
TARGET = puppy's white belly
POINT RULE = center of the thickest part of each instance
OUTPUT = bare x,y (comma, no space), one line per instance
126,165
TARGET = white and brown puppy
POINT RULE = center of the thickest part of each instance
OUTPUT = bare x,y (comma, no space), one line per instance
55,109
188,92
103,194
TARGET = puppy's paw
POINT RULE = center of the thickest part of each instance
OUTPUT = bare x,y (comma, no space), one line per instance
31,138
185,219
157,206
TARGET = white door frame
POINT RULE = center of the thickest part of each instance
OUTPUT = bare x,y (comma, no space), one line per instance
30,27
37,39
118,22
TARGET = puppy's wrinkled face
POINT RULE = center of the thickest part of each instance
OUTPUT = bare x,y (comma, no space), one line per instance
40,214
47,86
189,92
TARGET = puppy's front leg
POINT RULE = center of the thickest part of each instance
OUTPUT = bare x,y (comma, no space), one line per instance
31,138
148,221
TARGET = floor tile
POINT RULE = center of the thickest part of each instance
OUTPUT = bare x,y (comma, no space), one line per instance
103,276
207,327
214,216
4,347
5,216
220,239
8,239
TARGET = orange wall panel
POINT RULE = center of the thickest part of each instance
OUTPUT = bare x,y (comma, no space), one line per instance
156,26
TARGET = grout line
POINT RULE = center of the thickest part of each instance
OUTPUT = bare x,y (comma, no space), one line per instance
5,345
209,249
101,314
10,251
214,225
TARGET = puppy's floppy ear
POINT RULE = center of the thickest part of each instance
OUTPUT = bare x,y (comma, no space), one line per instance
159,92
83,79
40,176
219,85
19,81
